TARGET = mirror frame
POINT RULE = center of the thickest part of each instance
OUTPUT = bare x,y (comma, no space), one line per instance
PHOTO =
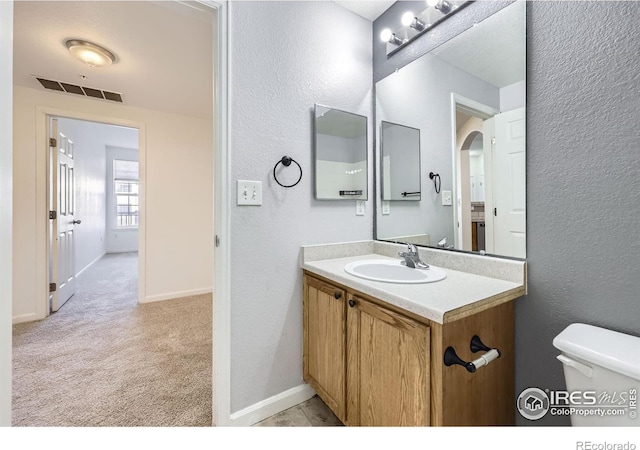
365,195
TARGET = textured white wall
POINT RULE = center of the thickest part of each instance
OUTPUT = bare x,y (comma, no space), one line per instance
179,153
89,168
285,56
6,93
122,239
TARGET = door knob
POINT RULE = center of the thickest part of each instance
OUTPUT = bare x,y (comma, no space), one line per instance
77,222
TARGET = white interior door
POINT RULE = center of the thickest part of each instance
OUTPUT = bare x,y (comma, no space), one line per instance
509,184
63,226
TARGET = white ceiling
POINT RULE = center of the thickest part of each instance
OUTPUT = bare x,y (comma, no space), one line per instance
370,9
164,50
493,50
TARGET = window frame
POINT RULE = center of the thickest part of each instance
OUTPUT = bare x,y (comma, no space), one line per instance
116,194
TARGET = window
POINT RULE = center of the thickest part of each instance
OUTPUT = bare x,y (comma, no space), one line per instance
126,191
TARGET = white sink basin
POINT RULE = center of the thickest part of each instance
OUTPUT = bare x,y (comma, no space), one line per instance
392,271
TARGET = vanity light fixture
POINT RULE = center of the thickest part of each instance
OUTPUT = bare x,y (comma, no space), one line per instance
409,19
414,25
388,36
441,5
89,53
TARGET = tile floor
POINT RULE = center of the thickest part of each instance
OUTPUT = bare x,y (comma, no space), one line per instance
312,413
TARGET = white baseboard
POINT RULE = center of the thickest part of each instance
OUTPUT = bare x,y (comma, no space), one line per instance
272,405
175,295
90,264
30,317
132,250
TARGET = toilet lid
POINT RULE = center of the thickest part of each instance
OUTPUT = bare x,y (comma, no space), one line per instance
612,350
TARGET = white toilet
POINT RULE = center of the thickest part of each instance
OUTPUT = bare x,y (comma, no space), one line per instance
604,363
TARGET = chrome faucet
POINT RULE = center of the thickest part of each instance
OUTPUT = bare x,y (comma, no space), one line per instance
442,243
412,257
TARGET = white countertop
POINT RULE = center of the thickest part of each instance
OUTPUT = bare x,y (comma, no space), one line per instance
432,301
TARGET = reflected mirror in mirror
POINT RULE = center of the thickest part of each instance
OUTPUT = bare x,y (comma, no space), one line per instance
400,157
340,155
467,98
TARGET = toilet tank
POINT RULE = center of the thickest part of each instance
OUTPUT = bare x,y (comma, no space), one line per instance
606,364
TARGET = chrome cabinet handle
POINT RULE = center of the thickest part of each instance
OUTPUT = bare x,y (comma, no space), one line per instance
76,222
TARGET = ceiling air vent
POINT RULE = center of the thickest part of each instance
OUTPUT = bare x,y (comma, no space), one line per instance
80,90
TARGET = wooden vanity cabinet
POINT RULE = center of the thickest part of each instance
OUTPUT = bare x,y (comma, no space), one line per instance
387,367
325,342
375,364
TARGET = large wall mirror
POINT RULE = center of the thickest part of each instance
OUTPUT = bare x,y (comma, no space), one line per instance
467,99
340,154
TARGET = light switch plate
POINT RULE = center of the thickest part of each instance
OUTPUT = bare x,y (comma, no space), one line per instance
360,207
446,198
249,193
386,207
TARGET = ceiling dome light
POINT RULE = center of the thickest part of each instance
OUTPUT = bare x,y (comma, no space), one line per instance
432,2
89,53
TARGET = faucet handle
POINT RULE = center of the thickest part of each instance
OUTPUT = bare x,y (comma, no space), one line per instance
410,247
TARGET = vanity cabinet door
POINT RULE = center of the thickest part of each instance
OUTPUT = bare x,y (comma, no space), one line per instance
324,360
388,378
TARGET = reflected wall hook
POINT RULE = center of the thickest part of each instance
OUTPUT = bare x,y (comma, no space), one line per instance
286,161
436,181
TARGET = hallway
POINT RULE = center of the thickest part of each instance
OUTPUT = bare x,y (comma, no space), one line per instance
105,360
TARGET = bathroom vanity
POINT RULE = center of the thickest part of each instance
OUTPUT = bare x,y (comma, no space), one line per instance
374,351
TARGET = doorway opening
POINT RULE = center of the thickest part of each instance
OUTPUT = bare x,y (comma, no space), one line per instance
95,196
489,159
473,135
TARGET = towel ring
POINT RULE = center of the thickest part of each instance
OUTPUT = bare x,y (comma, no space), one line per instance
286,161
436,181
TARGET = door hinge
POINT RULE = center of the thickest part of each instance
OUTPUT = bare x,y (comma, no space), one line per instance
53,215
217,241
495,212
493,140
53,287
53,142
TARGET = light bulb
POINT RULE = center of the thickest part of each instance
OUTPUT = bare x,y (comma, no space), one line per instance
385,35
432,2
407,18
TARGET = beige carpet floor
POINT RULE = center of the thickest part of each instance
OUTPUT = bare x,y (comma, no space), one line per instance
105,360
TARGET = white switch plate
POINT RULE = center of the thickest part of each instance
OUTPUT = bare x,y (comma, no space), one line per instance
249,193
386,207
360,207
446,198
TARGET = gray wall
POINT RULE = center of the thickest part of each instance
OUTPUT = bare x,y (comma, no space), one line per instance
284,57
583,177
